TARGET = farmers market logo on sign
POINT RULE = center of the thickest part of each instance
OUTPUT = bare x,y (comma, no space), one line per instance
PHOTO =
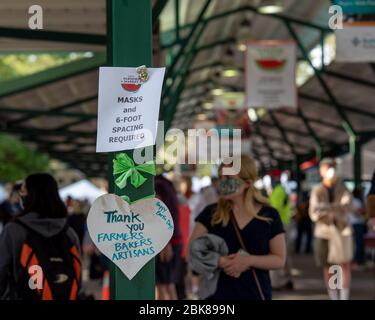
270,59
131,83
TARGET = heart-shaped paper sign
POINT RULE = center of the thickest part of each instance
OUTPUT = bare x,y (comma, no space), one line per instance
129,235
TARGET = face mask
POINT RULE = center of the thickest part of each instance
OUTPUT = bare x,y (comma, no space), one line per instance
229,186
331,173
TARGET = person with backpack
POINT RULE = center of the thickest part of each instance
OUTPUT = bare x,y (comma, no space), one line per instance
39,252
250,228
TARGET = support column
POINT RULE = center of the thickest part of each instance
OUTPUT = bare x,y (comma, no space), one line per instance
129,34
356,152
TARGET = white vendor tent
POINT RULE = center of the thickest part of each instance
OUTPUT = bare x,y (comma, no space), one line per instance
81,190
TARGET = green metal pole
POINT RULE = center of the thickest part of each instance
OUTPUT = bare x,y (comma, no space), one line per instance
129,33
355,150
177,19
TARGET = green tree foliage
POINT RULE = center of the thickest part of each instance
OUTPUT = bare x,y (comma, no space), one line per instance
17,160
23,64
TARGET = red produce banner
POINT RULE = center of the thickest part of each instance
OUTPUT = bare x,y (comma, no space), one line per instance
271,74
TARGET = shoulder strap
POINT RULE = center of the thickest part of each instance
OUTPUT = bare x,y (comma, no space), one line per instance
243,246
238,233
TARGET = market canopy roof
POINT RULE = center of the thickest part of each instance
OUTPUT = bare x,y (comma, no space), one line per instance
55,109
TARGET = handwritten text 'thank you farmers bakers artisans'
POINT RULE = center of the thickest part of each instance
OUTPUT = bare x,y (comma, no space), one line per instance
129,124
132,243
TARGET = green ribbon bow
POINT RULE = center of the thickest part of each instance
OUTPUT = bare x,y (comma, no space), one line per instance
126,167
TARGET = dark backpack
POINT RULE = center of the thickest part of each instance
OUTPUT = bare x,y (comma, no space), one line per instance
59,260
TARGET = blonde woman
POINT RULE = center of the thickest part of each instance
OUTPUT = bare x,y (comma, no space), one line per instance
252,231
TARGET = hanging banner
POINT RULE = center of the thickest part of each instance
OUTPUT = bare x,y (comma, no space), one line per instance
270,76
356,42
230,100
234,119
128,107
356,6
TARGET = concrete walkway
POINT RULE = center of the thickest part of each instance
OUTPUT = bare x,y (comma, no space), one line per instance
309,285
308,281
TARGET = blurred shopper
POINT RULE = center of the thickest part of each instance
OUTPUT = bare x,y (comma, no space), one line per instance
304,225
40,237
184,219
69,204
197,202
77,219
357,219
370,204
330,206
193,201
279,199
200,200
11,207
253,234
97,265
168,261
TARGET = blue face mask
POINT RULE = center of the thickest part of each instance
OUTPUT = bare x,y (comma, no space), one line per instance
229,186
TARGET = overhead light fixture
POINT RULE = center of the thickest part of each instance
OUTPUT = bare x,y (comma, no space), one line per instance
241,46
261,112
270,7
217,92
230,73
244,34
208,105
252,115
202,117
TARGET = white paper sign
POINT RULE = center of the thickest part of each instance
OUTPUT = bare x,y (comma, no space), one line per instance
129,235
128,109
356,42
271,74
